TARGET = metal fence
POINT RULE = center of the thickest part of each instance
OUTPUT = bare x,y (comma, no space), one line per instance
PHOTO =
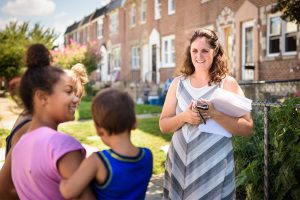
264,108
271,91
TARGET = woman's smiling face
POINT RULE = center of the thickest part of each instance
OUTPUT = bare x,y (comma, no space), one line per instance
202,54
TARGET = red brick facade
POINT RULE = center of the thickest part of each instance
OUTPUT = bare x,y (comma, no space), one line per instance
229,18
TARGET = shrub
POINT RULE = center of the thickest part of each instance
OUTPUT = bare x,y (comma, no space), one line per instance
284,159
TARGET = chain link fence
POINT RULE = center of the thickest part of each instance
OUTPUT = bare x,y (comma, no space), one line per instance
271,91
268,162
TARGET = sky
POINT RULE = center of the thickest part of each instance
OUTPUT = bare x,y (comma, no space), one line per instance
55,14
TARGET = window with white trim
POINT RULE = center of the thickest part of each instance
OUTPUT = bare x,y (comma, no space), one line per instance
157,11
133,15
115,58
282,36
114,22
135,57
168,51
143,11
100,28
171,7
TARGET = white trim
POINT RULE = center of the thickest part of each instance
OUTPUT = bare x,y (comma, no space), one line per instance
268,35
114,16
171,10
167,51
100,20
245,72
157,9
143,10
282,38
133,15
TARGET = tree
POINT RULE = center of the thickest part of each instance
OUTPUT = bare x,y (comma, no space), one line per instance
15,39
289,8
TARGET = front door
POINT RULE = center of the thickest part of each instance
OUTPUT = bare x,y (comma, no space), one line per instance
154,63
228,47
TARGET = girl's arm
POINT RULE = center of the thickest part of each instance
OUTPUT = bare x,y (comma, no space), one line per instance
7,189
235,125
169,121
73,185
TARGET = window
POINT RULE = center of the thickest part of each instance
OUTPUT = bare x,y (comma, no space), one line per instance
135,57
171,7
100,28
143,11
282,36
114,22
133,15
290,37
115,61
157,8
168,51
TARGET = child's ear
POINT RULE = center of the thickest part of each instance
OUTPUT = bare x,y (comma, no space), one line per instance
101,131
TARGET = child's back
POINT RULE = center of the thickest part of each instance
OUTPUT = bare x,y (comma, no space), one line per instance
123,171
127,177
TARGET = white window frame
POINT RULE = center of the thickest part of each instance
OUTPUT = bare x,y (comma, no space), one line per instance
135,57
171,7
143,11
284,32
168,51
133,15
281,37
115,61
114,22
157,9
99,28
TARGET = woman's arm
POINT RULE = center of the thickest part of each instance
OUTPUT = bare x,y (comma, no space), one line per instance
76,180
235,125
169,121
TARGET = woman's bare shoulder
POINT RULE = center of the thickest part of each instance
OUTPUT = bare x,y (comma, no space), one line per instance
230,84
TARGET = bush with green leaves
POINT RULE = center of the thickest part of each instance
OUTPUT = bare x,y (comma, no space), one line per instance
284,152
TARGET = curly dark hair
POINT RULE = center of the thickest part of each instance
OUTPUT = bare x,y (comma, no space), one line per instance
219,68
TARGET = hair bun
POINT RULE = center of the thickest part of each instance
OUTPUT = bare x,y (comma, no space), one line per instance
80,72
37,56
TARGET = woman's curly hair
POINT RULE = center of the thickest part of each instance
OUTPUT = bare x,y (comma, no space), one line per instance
219,68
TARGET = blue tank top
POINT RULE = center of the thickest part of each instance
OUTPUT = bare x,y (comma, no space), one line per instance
127,177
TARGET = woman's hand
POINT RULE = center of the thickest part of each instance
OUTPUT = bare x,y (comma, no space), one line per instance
191,115
210,112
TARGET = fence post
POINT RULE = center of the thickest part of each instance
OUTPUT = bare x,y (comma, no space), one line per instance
266,152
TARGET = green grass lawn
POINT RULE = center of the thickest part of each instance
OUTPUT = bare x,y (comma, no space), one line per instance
84,110
146,135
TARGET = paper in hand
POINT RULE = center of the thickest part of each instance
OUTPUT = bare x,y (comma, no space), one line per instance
230,103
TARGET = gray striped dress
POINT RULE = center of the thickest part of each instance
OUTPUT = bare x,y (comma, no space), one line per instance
199,165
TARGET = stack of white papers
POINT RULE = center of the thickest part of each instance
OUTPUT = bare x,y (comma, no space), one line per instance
228,103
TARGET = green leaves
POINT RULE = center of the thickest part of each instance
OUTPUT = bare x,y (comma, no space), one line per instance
284,155
15,39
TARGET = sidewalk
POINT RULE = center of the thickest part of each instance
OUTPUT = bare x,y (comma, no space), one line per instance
9,112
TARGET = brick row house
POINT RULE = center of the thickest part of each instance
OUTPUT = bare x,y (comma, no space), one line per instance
145,40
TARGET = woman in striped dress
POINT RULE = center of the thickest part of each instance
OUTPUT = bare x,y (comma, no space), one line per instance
200,165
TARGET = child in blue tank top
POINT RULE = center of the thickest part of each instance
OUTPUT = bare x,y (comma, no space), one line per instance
123,171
